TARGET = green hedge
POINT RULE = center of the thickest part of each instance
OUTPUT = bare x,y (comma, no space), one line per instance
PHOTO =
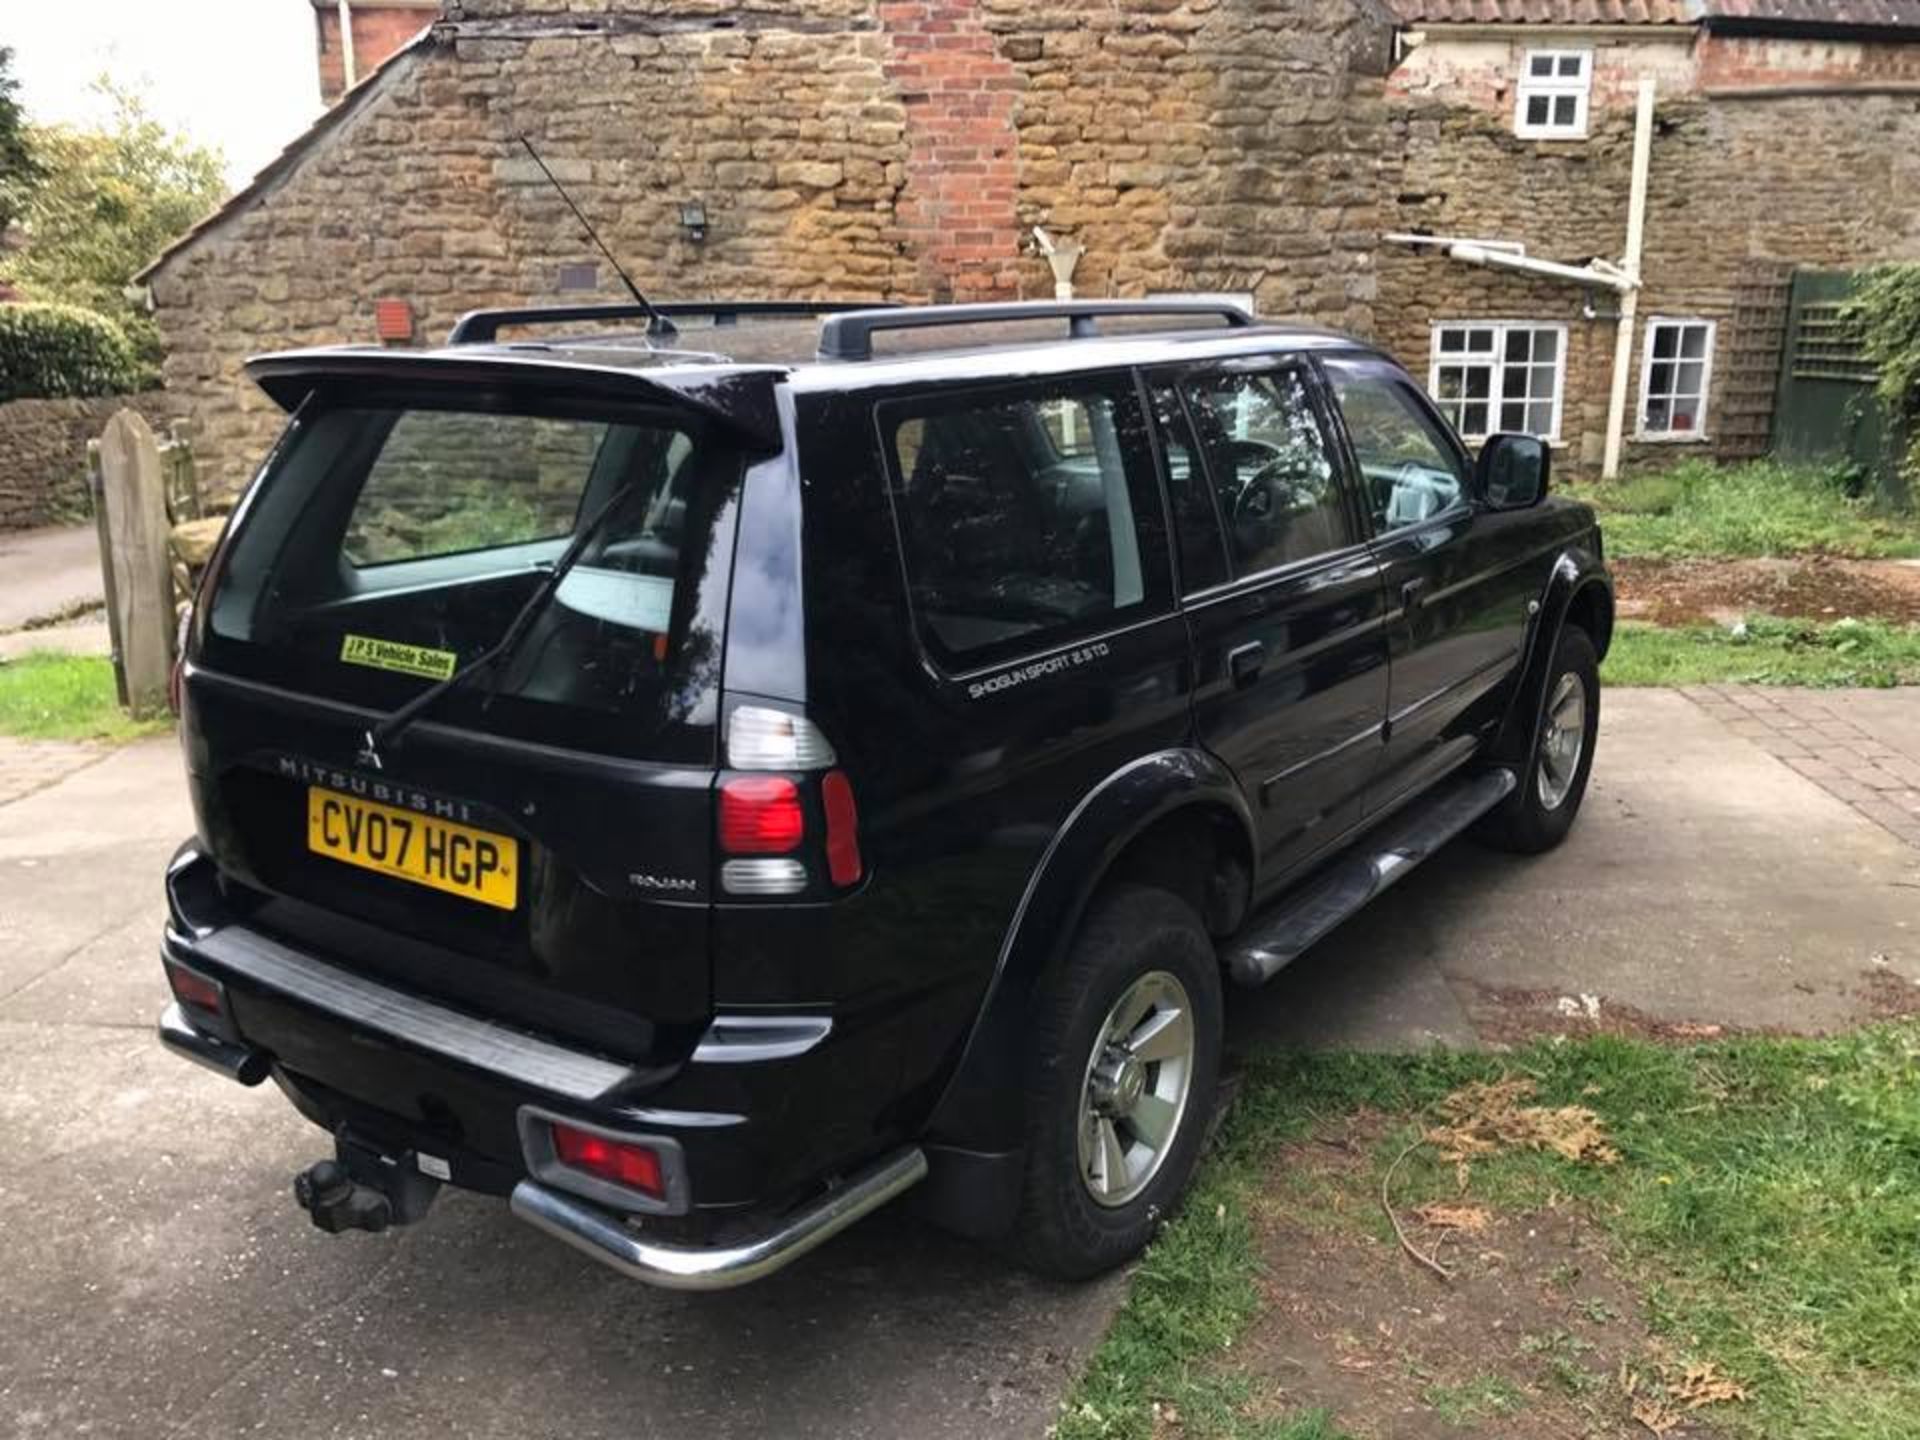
51,351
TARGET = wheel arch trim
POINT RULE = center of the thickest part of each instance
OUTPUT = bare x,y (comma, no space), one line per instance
1101,827
1577,572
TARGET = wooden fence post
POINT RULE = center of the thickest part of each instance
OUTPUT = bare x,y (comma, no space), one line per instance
134,492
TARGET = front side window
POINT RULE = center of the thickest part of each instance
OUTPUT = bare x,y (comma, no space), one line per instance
1674,379
1409,470
1553,94
1027,519
1274,479
1493,377
395,539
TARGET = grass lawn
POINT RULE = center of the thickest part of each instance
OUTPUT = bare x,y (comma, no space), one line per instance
65,697
1766,651
1756,1202
1761,508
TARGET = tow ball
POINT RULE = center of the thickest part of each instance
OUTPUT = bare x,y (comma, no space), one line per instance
362,1188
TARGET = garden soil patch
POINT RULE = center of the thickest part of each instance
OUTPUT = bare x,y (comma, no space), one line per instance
1535,1337
1821,588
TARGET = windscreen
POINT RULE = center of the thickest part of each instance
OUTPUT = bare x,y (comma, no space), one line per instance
390,544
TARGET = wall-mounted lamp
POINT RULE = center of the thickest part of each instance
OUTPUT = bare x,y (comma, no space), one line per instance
693,220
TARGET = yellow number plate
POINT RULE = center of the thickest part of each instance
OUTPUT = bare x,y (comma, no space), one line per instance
473,864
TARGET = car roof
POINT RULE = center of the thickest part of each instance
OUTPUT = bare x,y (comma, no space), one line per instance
706,363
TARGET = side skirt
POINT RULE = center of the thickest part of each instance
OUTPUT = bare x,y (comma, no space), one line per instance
1276,937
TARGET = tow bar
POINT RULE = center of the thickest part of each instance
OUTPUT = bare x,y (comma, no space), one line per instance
362,1188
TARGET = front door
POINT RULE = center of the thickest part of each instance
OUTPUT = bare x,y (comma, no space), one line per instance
1282,598
1454,575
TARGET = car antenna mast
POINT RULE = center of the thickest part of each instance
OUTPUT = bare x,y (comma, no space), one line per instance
658,326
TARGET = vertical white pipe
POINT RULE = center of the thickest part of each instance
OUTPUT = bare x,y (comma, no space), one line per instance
1630,299
347,67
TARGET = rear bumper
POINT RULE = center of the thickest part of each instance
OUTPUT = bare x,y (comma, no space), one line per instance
764,1156
595,1232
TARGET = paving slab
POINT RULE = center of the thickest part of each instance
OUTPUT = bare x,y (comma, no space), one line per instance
30,765
1705,883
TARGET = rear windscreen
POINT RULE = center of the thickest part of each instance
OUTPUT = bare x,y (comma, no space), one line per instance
387,545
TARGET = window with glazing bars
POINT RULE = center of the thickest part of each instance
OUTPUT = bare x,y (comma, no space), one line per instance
1499,377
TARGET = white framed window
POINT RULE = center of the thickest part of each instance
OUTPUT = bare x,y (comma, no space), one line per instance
1675,372
1555,86
1499,376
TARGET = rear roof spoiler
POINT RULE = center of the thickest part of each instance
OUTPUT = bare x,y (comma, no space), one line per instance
739,399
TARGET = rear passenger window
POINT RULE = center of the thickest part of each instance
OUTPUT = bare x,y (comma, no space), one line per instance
1272,469
1028,519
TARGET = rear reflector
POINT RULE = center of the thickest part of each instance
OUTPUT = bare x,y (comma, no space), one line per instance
192,988
843,828
618,1162
761,815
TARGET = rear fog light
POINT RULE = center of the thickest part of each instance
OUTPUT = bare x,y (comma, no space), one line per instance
618,1162
192,988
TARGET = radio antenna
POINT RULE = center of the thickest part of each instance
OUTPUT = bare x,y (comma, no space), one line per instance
658,326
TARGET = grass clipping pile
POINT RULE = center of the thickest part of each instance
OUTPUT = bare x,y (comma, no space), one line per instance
1487,1117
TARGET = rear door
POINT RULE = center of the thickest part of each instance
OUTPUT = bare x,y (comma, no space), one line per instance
538,845
1282,598
1455,577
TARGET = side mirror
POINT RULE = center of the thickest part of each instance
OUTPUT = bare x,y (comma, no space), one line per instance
1513,471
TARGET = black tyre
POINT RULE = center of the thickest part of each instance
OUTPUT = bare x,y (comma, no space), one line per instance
1538,815
1121,1083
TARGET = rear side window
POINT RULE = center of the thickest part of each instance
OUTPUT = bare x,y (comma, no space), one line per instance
389,544
1028,519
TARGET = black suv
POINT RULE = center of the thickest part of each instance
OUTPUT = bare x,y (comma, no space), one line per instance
702,788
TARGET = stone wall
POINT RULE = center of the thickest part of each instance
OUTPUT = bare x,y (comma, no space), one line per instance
43,453
869,148
1779,159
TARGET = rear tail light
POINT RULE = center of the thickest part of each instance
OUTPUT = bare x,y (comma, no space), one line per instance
765,848
195,990
761,815
843,828
763,877
759,738
626,1163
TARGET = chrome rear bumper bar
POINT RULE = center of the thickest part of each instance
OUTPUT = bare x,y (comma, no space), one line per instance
599,1233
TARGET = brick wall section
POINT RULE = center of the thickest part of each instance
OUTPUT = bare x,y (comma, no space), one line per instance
379,31
867,148
43,452
957,207
1823,181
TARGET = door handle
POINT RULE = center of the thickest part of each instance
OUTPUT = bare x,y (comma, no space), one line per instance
1410,594
1246,662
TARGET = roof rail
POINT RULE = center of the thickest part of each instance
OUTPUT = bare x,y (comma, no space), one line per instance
482,327
850,336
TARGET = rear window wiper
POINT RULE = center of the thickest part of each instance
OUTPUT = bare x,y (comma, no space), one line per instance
387,731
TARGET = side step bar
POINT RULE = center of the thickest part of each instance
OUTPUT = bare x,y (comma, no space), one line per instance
1277,938
601,1234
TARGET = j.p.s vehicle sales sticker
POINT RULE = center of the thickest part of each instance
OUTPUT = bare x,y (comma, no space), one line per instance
403,659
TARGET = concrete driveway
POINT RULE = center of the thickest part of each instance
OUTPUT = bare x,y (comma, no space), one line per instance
159,1281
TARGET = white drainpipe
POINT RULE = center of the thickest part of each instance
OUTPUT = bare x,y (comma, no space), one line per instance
346,46
1630,263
